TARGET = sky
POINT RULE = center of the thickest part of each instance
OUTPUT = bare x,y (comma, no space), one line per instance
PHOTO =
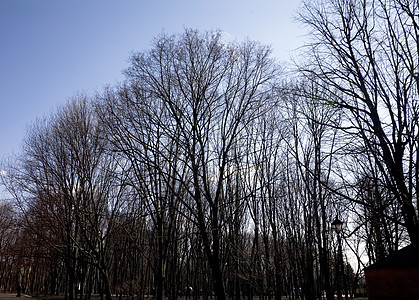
52,50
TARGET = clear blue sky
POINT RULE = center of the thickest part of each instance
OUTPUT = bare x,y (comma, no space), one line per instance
51,50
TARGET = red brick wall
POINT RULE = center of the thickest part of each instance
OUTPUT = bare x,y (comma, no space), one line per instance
395,283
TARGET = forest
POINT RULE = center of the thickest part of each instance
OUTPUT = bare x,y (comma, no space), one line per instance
214,171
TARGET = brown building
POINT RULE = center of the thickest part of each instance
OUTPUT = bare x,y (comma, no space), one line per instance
395,277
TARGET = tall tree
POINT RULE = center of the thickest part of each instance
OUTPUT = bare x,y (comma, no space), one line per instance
206,92
366,52
64,184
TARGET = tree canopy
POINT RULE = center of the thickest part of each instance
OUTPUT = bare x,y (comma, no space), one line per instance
210,171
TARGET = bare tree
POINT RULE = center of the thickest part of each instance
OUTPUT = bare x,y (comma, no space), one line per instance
9,237
202,93
312,152
367,51
64,184
136,128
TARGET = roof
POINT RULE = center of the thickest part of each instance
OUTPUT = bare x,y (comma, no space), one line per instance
407,257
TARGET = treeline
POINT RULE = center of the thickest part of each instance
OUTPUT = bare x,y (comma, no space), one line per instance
210,172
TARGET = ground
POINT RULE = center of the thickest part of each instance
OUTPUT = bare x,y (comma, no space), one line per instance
13,297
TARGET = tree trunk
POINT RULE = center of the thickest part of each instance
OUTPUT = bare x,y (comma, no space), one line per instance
217,276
